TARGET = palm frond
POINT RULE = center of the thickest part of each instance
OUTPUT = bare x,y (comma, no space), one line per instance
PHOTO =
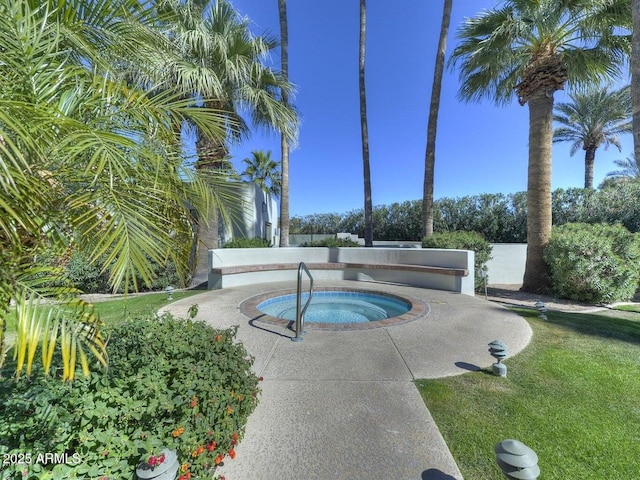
40,325
497,45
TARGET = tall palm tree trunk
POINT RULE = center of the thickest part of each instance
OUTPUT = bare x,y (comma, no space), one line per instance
284,144
538,190
589,161
434,108
368,208
210,152
635,75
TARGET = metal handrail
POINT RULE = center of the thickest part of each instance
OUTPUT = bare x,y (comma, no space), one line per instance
300,312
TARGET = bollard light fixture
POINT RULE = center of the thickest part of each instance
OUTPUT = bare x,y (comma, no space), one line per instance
499,351
542,309
169,291
516,460
161,467
484,275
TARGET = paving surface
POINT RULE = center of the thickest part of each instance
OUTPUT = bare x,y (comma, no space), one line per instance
343,405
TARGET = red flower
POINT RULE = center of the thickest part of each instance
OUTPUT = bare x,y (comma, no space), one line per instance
232,453
211,446
178,431
154,461
219,459
194,402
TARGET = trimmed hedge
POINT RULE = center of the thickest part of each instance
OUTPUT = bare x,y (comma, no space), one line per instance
593,263
461,240
247,243
498,217
331,242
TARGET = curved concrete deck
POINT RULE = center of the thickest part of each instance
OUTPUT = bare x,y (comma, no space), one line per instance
342,405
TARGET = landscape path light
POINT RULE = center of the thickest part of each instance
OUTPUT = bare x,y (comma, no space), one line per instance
499,351
169,291
484,275
516,460
164,467
542,308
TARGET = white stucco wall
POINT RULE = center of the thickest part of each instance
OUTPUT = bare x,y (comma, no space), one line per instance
430,257
507,264
257,209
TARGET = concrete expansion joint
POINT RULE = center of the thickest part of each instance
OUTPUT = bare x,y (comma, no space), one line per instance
269,357
404,361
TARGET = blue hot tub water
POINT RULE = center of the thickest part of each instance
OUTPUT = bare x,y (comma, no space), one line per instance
336,307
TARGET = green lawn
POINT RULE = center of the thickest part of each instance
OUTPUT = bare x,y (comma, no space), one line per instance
629,308
119,308
572,396
133,305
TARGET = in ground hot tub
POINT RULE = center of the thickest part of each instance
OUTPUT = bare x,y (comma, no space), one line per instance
336,309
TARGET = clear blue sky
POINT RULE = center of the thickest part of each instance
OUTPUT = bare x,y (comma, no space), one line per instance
481,148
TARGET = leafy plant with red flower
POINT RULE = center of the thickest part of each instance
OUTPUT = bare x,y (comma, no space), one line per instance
170,385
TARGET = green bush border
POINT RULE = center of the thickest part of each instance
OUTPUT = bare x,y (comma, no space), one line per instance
171,383
461,240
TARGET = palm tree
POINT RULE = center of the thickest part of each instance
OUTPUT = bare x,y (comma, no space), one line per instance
89,162
533,48
594,117
265,172
635,74
284,141
222,61
434,108
368,208
629,169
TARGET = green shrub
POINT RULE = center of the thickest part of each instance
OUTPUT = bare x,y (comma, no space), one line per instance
247,243
594,263
460,240
88,277
331,242
85,276
171,383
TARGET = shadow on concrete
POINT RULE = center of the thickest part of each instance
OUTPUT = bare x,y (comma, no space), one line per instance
468,366
200,286
253,323
435,474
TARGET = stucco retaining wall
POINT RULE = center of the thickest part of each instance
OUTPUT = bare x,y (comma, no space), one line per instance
507,264
461,259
